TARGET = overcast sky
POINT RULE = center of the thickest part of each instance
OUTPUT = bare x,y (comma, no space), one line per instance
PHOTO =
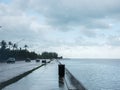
72,28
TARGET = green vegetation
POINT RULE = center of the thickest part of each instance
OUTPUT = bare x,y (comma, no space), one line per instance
11,50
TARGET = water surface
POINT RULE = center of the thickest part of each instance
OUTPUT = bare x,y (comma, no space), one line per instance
96,74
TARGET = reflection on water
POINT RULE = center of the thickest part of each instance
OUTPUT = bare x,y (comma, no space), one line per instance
61,82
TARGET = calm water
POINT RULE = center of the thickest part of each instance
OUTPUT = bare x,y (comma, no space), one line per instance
96,74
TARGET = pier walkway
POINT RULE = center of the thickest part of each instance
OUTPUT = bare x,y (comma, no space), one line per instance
44,78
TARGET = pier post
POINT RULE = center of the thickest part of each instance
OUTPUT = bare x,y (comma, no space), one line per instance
61,70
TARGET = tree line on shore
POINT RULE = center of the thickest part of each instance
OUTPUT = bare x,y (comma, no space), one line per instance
9,49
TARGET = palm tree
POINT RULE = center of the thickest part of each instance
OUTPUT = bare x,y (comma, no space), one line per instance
10,44
26,46
0,44
3,44
15,46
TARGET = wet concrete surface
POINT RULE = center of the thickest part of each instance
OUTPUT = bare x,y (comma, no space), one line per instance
45,78
9,71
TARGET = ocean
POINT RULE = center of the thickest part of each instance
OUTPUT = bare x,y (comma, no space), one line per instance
95,74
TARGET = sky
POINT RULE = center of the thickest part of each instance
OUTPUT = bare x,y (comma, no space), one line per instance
72,28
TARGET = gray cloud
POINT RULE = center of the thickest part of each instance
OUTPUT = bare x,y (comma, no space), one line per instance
85,23
67,13
63,14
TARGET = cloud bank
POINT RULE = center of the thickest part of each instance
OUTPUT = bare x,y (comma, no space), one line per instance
65,24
